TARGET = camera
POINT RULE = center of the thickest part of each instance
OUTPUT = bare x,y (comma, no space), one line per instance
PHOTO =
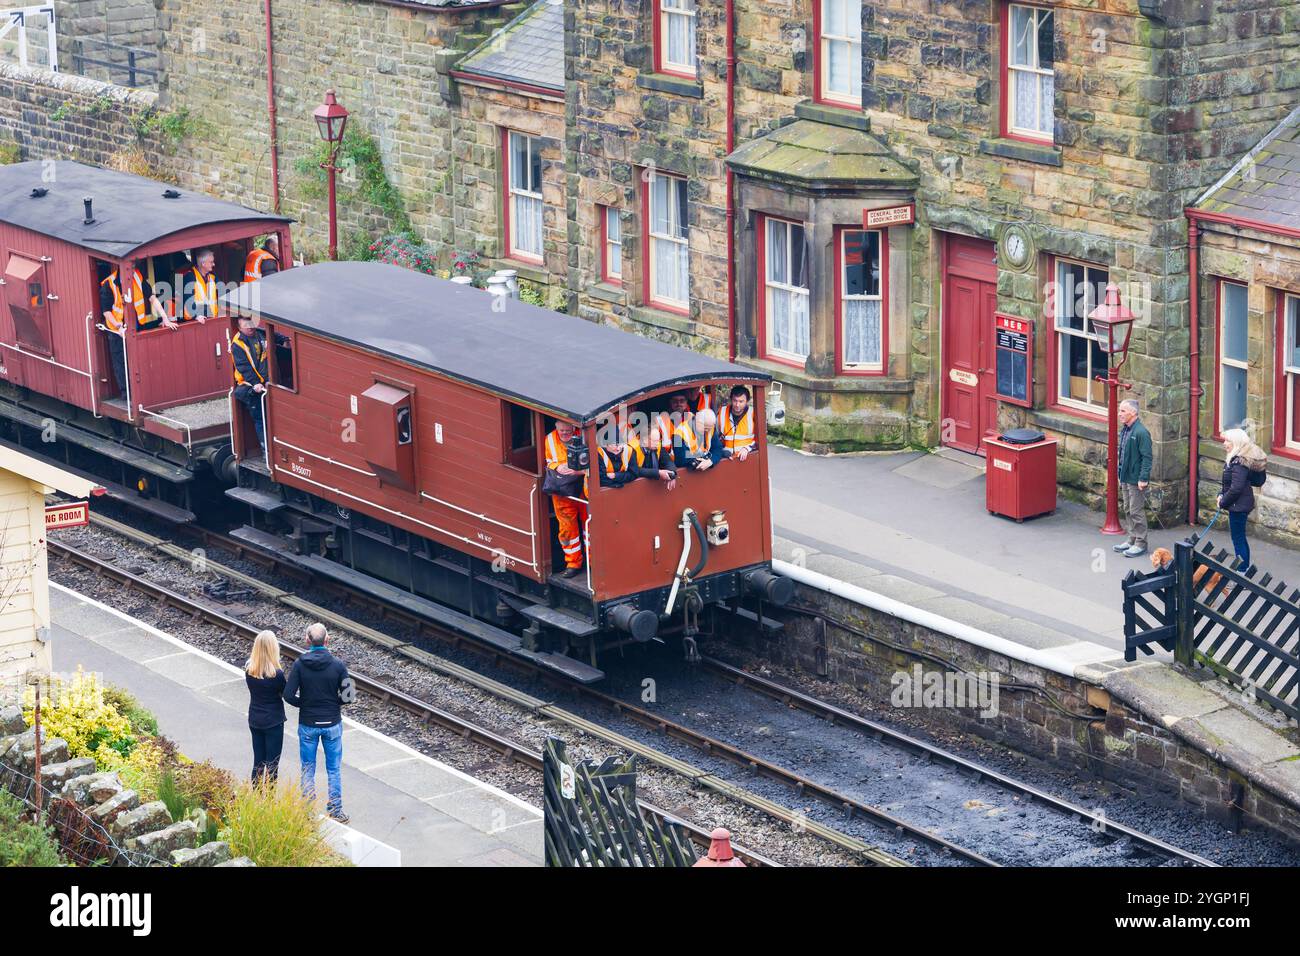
578,456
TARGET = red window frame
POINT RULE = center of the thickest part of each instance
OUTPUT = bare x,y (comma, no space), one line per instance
510,252
657,34
819,96
760,296
1279,380
605,275
1053,347
1004,119
647,260
840,368
1219,283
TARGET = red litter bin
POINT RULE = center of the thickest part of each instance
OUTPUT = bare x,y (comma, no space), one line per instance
1020,477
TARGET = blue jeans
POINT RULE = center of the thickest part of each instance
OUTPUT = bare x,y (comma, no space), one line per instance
331,738
1237,526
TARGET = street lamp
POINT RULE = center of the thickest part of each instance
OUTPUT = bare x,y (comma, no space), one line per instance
331,119
1113,323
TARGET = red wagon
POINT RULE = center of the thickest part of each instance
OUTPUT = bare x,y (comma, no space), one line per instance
406,424
63,227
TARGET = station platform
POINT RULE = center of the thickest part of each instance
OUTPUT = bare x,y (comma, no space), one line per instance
434,814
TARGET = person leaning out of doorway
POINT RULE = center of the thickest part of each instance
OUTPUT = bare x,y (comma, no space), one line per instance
248,355
1244,470
564,485
1134,477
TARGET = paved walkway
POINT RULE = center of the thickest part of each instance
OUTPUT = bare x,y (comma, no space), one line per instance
913,526
433,814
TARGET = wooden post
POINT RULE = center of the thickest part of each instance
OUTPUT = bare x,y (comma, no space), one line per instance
1183,598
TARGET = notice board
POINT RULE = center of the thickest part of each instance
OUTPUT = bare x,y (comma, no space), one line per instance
1014,351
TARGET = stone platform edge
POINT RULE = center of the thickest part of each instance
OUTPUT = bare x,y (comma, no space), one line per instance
1140,724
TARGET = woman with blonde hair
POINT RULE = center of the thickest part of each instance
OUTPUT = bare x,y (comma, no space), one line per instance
265,679
1243,472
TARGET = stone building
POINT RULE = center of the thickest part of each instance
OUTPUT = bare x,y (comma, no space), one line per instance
1248,275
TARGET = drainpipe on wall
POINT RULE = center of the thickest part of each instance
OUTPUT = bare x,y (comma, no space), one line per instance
270,111
731,204
1194,361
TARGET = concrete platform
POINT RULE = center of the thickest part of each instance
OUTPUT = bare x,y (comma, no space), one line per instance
434,814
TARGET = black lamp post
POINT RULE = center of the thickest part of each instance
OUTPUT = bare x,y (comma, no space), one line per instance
1113,323
331,119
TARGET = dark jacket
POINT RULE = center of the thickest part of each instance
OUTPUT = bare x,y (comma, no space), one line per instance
265,703
1135,455
313,687
252,373
1237,496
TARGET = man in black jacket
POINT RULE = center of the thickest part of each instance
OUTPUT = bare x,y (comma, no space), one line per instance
318,684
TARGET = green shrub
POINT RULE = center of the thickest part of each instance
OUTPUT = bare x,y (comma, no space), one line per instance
22,842
208,786
275,825
142,720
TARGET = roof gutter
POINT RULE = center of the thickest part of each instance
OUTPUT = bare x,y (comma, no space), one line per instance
497,83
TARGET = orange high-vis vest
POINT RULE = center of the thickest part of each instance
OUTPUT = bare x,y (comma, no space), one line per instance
702,401
737,435
691,441
238,342
631,448
557,453
205,292
118,320
253,264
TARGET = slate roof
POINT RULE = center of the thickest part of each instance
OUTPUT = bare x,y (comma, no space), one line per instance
561,363
1264,186
810,154
129,211
529,49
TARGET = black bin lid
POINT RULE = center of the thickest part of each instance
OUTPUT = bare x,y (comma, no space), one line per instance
1022,436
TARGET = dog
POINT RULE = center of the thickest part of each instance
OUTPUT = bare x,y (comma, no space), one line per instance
1161,558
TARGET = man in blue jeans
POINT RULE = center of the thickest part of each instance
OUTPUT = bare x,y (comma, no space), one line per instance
318,684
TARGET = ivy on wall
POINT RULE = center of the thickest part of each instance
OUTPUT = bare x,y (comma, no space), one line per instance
361,177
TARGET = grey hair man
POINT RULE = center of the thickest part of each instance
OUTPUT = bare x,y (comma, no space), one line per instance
1134,477
318,685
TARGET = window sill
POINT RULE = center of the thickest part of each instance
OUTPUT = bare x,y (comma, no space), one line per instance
1283,463
1019,149
661,319
1078,424
607,292
833,115
875,384
531,271
666,83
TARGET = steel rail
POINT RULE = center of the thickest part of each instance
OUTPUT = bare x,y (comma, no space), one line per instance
838,715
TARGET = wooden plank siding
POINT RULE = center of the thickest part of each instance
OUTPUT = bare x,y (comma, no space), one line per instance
24,606
483,506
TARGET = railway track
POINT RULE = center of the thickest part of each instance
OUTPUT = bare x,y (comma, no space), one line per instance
712,746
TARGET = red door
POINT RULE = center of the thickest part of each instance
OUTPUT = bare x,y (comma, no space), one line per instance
970,298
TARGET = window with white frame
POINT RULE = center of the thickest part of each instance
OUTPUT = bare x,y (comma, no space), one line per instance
669,273
862,304
1031,77
1080,358
1290,367
1232,354
612,230
677,36
785,281
524,185
840,51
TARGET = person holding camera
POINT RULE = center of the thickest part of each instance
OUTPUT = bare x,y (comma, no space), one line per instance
564,485
318,685
697,444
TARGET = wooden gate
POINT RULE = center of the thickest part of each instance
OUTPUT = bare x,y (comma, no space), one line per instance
592,816
1242,625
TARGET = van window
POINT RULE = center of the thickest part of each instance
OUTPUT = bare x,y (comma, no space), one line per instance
520,437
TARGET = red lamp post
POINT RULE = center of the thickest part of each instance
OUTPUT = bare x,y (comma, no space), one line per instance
1113,323
331,119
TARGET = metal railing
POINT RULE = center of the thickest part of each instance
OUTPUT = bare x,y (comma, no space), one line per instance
116,60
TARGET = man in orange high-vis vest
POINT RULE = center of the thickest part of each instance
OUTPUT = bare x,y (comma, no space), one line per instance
264,261
570,513
116,306
697,444
737,425
248,356
201,284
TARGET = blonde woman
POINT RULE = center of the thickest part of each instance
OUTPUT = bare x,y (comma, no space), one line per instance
1243,471
265,679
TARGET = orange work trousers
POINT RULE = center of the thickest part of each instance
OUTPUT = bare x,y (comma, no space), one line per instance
572,517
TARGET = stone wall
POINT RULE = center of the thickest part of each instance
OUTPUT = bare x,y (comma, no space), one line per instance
119,23
1063,721
141,834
